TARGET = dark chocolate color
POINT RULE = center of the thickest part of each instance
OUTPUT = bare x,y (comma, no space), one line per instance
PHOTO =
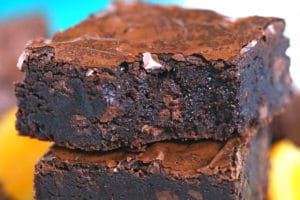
14,34
113,81
236,169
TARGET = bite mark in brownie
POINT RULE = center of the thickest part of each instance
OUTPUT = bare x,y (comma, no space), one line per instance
236,169
117,80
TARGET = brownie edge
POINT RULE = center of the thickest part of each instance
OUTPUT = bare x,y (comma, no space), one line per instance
95,89
200,170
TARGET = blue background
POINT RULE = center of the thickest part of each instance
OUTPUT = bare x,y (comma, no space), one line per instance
63,13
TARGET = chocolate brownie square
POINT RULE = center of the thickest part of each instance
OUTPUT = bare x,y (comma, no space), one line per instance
140,73
206,169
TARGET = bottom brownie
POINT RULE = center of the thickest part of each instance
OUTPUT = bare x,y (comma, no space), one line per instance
236,169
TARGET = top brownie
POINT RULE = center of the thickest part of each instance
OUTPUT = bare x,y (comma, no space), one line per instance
140,73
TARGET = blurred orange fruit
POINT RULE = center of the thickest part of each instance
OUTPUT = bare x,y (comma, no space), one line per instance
18,156
284,181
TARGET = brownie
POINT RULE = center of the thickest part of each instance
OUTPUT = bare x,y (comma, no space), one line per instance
287,124
140,73
206,169
14,34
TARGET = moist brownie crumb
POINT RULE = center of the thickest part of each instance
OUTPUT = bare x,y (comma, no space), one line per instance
236,169
116,80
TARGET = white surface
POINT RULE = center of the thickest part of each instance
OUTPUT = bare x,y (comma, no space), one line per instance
289,10
149,62
21,59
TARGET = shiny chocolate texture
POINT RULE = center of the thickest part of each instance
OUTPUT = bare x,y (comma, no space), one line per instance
236,169
139,73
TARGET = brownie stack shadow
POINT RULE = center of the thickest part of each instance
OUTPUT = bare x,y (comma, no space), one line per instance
155,102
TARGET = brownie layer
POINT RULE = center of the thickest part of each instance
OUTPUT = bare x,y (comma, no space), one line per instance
103,88
236,169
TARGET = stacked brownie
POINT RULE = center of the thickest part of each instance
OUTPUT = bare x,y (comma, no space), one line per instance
155,102
14,34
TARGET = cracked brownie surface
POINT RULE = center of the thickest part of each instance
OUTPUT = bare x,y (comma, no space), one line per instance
139,73
206,169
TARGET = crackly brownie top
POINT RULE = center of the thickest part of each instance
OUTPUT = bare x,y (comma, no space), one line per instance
182,160
127,30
